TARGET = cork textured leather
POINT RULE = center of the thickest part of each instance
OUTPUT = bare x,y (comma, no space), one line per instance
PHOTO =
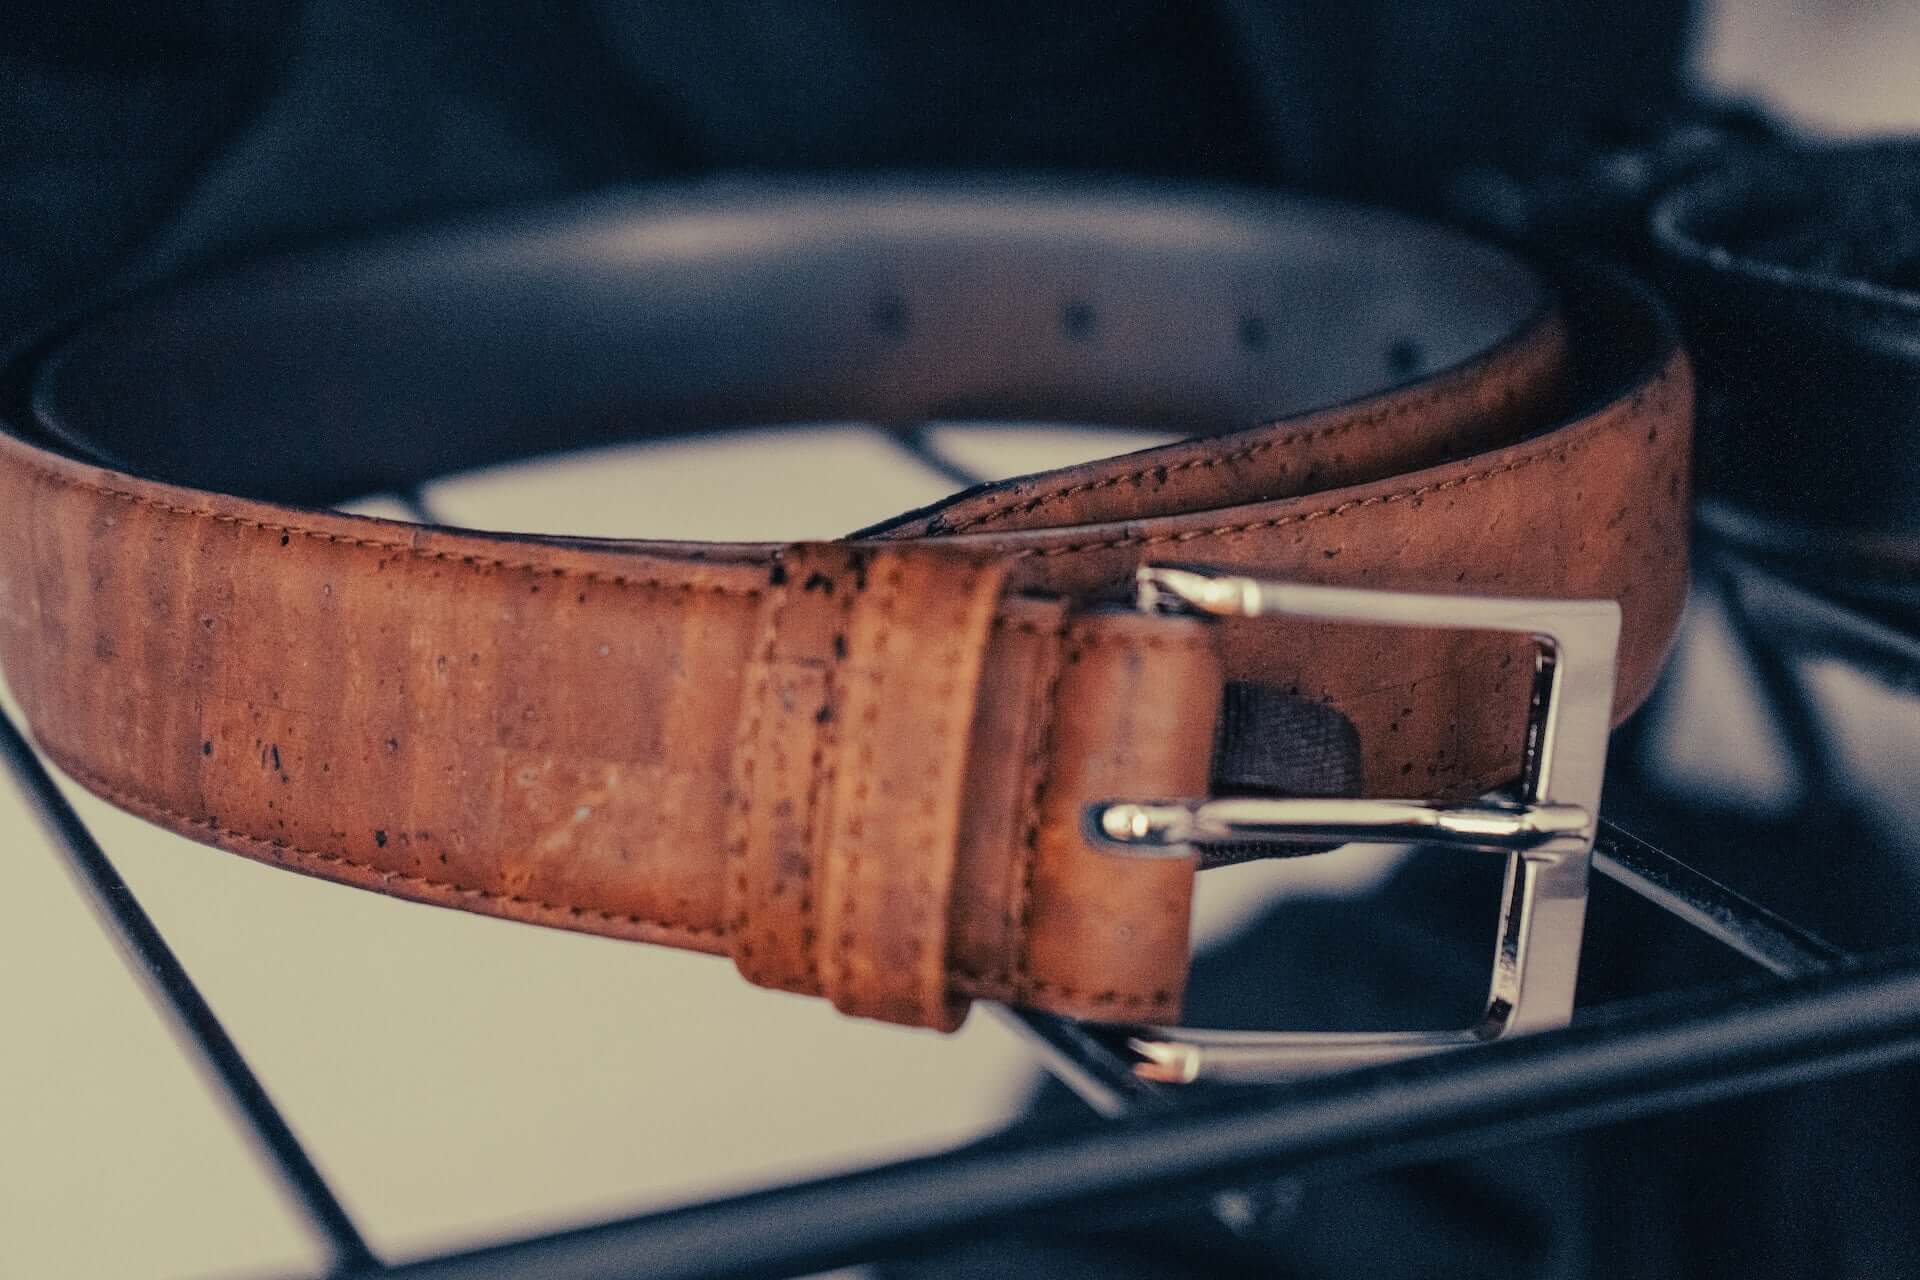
857,768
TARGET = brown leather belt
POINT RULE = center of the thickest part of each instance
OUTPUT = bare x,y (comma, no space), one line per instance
861,768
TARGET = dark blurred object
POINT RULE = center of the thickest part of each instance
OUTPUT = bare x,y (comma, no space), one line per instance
134,143
1587,194
1797,272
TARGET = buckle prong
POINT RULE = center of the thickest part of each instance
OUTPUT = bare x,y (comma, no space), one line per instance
1166,829
1545,826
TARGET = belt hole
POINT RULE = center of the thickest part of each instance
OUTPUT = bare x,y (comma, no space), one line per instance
1406,357
1077,320
888,315
1253,333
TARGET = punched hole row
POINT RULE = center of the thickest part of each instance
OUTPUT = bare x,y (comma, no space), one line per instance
1079,321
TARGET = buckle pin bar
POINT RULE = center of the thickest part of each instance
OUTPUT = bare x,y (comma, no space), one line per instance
1163,829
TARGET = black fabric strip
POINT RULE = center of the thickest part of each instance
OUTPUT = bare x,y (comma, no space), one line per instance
1274,743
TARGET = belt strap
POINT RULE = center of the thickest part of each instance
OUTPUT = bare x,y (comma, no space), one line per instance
858,768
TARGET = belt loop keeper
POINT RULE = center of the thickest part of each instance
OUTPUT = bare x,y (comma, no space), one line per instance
784,764
1108,938
903,711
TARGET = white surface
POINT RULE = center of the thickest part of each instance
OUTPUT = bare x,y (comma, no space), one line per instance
784,484
1838,67
1000,451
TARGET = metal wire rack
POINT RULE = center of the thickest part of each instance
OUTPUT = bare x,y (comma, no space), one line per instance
1812,1011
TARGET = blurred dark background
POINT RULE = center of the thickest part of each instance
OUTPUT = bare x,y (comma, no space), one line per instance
137,139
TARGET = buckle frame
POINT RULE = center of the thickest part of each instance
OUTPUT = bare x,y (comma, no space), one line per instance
1545,827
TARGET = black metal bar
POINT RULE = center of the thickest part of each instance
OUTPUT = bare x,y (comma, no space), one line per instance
1827,626
417,506
1678,1054
1082,1060
1787,697
916,442
1776,944
194,1021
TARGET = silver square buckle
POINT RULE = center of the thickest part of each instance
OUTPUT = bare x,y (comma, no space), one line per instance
1545,826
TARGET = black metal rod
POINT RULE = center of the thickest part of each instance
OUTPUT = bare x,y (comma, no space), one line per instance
1773,942
1786,695
170,987
414,499
917,443
1791,613
1079,1058
1681,1053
